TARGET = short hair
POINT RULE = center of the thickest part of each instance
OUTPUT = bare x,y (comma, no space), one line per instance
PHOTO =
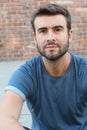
51,9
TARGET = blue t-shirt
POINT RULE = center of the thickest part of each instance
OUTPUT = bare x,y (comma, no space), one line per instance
56,103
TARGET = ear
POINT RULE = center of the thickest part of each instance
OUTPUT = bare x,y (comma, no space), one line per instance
33,36
70,35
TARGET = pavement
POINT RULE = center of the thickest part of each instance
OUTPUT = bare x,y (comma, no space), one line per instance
6,69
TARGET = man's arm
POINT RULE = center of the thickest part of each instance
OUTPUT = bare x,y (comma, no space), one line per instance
10,109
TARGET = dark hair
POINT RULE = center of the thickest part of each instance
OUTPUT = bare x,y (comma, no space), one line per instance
51,9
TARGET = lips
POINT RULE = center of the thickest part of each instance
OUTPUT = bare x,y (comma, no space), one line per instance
51,46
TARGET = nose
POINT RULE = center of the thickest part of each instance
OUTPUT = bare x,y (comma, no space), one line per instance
50,37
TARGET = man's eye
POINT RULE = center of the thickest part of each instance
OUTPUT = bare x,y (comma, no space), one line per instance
42,31
58,29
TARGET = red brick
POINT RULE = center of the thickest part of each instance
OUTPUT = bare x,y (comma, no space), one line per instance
15,30
3,1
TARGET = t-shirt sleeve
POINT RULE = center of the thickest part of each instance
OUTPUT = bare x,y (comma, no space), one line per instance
22,81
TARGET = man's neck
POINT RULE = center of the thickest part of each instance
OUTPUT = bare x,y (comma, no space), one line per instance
58,67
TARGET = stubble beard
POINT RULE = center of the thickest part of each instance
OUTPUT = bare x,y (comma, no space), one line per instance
51,56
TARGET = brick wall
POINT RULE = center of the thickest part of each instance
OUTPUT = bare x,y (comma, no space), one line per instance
16,42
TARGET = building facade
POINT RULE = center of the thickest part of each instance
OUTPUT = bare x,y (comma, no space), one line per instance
16,42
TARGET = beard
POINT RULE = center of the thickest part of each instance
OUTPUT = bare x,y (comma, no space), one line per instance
51,55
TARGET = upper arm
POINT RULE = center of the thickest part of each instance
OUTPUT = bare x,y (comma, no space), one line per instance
11,105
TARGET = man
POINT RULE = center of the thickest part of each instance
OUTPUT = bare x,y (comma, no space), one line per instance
54,84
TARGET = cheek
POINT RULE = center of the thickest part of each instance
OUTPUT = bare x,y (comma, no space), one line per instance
64,38
40,40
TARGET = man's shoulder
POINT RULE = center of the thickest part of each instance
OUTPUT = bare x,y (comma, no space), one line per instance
80,64
32,64
79,59
34,59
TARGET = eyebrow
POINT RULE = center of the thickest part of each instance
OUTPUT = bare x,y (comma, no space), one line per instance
59,26
44,28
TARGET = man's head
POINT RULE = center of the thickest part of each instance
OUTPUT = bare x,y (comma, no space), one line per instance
51,9
52,31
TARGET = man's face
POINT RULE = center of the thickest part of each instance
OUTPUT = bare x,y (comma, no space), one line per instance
52,36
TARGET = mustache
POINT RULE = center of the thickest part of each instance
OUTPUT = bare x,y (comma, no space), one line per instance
51,43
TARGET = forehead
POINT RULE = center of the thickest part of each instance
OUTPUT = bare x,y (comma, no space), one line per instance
49,21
